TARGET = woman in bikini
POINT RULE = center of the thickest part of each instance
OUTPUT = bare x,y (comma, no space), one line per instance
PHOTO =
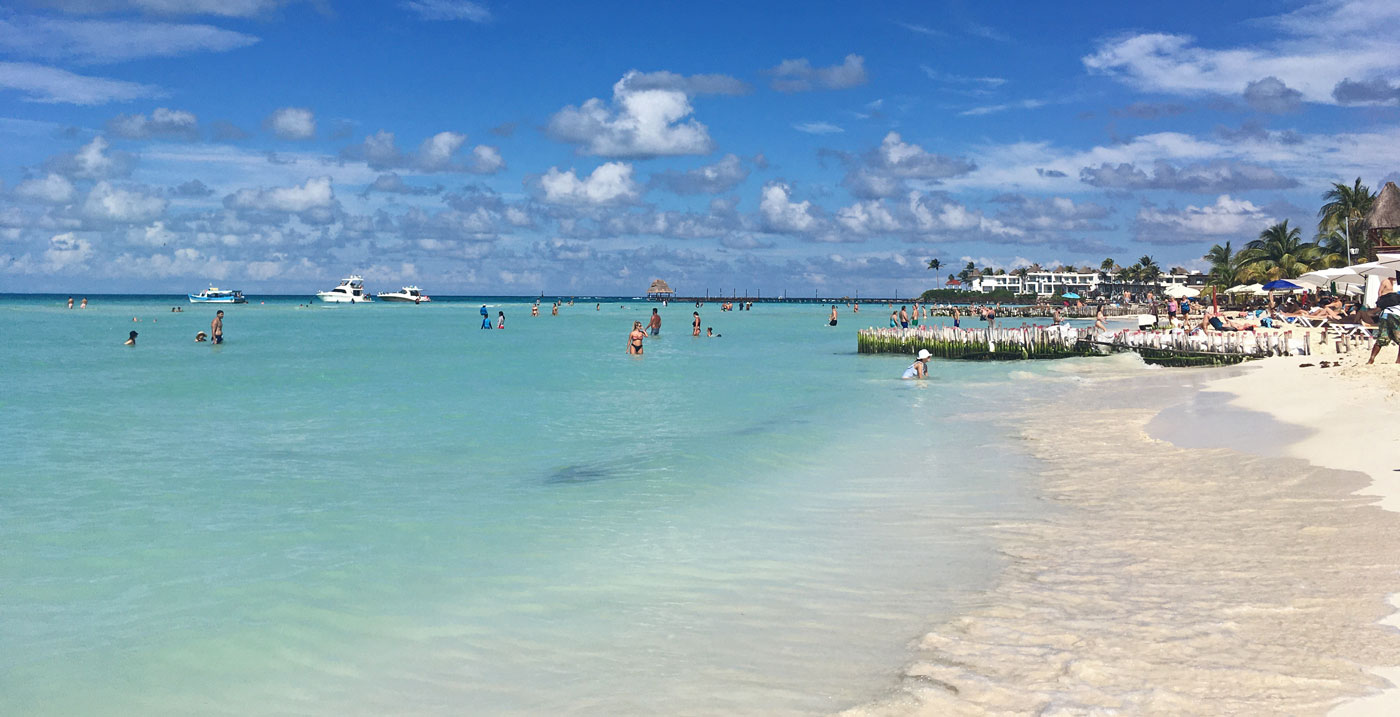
695,325
634,339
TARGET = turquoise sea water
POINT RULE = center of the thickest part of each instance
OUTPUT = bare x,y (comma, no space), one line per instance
383,509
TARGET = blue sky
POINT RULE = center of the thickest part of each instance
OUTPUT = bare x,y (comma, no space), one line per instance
573,148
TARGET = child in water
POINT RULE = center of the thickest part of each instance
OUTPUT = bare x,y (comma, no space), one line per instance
918,369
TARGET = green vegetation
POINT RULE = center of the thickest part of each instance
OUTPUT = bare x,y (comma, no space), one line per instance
1281,253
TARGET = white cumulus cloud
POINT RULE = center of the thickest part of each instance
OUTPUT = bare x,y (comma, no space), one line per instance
292,123
162,122
781,215
800,76
1226,217
314,194
610,183
486,160
49,189
66,251
1304,55
113,204
638,123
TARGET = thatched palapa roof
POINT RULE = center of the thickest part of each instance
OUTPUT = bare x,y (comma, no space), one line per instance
660,287
1385,213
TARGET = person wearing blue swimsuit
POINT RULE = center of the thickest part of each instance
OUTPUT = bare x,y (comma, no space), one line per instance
485,317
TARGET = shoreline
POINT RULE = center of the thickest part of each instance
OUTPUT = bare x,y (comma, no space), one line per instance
1184,580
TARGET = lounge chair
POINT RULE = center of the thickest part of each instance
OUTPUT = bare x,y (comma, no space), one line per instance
1356,331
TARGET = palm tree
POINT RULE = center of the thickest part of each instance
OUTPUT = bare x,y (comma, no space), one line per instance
1332,250
934,264
1227,267
967,272
1106,266
1348,203
951,279
1281,253
1147,270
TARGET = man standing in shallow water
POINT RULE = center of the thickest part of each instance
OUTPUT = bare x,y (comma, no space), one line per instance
216,328
655,324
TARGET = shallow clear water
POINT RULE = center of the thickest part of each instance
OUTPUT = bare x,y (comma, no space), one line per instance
381,508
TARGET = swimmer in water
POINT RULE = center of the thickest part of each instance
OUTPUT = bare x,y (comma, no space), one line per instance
918,369
130,340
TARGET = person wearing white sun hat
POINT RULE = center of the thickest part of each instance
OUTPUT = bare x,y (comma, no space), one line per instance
918,369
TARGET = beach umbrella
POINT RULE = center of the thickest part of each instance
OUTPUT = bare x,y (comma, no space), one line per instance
1323,277
1179,291
1384,266
1070,295
1239,289
1281,285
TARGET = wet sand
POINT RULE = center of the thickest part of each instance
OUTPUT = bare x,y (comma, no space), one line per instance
1186,578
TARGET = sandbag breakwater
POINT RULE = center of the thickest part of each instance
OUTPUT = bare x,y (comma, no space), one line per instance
976,344
1164,348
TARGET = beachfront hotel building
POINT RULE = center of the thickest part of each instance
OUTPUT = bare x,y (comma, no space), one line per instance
1053,283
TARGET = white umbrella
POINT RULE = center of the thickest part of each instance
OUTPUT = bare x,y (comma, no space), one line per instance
1323,277
1180,291
1384,266
1244,288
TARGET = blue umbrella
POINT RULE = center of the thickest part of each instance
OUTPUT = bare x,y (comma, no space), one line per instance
1070,295
1281,285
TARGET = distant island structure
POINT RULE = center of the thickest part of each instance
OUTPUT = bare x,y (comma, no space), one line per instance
659,289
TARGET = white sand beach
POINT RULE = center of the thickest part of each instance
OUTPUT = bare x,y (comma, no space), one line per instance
1352,412
1247,578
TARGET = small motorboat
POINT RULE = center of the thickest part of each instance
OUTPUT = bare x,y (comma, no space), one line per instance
213,295
351,290
408,294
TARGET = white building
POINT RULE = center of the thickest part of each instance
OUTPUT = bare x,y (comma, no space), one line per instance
1052,283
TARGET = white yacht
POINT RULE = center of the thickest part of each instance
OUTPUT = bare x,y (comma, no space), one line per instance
350,291
406,294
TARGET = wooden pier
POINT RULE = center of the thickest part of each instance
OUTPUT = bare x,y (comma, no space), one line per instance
1162,348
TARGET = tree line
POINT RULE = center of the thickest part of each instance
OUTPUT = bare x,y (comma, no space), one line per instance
1278,253
1281,253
